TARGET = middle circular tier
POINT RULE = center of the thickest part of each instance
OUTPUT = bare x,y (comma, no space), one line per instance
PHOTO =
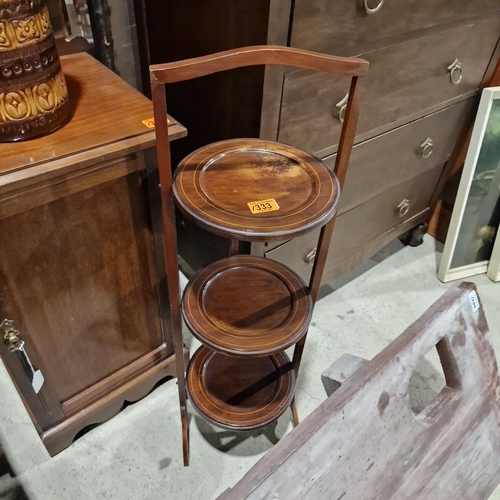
247,306
255,190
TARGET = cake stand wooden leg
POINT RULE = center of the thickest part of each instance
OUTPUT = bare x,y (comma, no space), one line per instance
297,357
185,436
295,415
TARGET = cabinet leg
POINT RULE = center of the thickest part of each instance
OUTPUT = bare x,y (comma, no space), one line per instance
415,236
295,415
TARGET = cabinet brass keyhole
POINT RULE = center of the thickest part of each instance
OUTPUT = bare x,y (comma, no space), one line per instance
10,335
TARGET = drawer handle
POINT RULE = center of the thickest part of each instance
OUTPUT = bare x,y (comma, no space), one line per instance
456,72
342,106
309,258
373,10
404,207
427,147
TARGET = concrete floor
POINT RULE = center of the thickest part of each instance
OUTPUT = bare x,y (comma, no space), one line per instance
137,454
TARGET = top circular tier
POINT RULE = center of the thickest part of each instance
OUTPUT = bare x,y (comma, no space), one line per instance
255,190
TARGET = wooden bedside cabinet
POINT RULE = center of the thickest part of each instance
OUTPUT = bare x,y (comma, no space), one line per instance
81,258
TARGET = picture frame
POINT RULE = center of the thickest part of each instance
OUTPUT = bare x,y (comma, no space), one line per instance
476,214
494,265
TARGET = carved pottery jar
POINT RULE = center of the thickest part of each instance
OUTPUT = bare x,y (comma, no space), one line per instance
33,93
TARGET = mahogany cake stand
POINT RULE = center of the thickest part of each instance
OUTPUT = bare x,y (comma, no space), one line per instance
246,310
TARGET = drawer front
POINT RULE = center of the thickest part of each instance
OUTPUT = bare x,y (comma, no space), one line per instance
332,25
402,154
403,81
361,225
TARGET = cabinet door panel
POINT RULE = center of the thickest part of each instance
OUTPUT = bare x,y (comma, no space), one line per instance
79,282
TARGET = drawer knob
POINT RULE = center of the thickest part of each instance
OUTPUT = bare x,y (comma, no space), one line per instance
456,72
309,258
427,147
372,10
341,107
404,207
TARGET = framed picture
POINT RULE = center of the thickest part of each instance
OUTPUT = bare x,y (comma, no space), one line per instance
476,214
494,266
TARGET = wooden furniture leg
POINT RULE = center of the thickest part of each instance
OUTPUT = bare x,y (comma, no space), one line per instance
295,415
170,247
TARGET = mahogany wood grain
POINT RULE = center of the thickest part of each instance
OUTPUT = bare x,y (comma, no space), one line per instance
97,133
252,56
72,45
280,13
71,294
58,18
215,27
329,27
44,408
214,185
170,250
244,104
92,89
355,228
292,253
240,393
419,81
346,142
193,68
395,157
247,306
440,221
234,246
364,441
21,197
61,436
110,383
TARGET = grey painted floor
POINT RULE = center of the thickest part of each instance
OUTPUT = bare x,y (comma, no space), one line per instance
137,454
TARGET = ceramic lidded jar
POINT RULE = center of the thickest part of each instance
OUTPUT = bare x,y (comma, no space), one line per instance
33,93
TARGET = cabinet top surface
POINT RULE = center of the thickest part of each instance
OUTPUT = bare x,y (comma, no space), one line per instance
105,110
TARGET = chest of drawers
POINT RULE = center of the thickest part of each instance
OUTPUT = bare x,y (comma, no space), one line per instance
427,58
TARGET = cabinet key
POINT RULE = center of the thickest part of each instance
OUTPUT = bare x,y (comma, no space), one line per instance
16,345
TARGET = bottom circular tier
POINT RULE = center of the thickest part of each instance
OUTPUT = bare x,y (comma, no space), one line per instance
238,393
